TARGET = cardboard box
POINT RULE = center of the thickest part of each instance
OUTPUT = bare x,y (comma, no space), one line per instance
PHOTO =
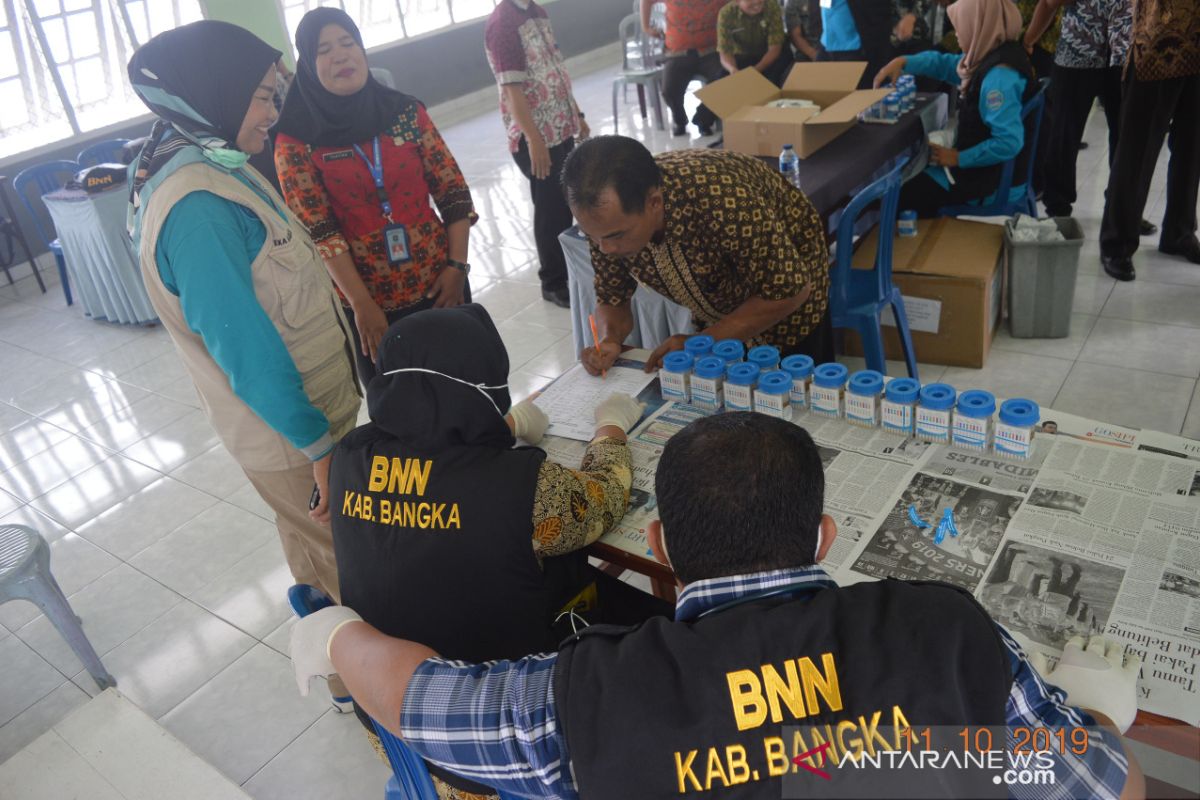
950,274
750,126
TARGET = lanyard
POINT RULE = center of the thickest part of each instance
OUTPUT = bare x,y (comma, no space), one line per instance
376,170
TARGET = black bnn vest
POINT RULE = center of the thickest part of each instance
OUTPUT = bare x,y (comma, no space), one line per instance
441,552
982,181
717,707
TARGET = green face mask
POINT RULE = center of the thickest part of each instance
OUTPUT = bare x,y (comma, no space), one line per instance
226,157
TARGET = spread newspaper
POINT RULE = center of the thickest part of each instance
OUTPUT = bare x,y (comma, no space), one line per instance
1098,532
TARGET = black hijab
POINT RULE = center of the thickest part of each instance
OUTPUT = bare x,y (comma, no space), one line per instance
201,77
318,117
431,412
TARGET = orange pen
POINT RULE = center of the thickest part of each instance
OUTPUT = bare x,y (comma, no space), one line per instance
596,339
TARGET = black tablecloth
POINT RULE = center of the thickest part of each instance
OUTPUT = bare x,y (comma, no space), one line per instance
830,175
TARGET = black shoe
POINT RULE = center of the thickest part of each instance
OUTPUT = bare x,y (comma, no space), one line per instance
1083,145
1118,267
679,130
705,130
560,297
1147,228
1189,248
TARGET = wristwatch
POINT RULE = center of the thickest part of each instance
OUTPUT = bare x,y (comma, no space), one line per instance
462,266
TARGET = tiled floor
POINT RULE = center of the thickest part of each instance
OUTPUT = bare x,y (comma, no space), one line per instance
171,559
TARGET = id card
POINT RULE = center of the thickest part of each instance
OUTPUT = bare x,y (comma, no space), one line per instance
395,239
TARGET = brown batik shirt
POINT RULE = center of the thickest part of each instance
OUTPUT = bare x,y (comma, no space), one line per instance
735,229
1166,39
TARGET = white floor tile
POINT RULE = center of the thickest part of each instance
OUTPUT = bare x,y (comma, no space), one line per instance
128,425
1191,425
51,530
1170,304
39,718
280,639
175,443
202,549
74,562
1068,347
249,499
145,517
25,679
1148,400
247,714
113,608
1009,374
522,341
94,491
213,471
1171,349
555,359
157,373
503,299
928,373
50,769
27,439
1091,292
252,594
331,759
165,662
52,467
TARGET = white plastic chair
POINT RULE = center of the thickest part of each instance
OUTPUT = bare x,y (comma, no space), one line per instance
639,67
25,575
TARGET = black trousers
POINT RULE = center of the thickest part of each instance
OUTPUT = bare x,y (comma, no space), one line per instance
925,195
1074,91
366,367
1043,65
551,214
678,71
1150,111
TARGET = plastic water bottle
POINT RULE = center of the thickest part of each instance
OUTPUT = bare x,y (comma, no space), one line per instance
789,165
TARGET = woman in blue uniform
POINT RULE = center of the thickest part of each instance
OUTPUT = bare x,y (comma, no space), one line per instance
995,79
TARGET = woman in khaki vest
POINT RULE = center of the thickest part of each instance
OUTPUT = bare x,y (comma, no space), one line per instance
236,281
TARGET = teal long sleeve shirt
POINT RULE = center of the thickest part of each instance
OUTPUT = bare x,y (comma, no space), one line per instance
999,105
204,253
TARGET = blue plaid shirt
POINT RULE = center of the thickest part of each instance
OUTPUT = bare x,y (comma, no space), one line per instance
497,724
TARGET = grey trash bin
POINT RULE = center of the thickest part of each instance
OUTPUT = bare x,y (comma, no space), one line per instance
1041,282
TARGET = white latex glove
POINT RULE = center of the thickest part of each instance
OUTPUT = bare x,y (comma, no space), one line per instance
529,421
311,637
620,410
1096,676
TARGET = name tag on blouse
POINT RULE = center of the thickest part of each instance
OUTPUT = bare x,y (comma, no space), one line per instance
395,238
337,155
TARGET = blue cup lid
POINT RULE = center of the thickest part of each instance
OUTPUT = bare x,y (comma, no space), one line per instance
902,390
938,396
800,366
866,382
699,345
1019,412
763,354
976,403
729,349
775,382
743,373
908,214
678,361
710,367
831,375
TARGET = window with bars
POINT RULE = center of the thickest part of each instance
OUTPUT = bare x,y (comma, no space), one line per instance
383,21
62,62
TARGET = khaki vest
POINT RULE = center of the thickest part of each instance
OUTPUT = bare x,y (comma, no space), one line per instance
294,289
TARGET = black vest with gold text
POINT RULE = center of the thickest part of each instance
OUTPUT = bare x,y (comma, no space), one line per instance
719,706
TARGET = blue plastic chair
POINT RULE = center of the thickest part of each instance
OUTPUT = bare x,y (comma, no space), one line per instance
106,152
43,179
858,296
1002,206
410,777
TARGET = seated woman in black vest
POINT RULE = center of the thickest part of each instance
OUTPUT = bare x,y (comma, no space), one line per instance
995,80
445,532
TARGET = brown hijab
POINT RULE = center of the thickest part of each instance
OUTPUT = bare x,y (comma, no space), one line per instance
982,26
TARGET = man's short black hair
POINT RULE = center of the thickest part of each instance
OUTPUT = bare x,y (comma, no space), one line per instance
738,493
610,161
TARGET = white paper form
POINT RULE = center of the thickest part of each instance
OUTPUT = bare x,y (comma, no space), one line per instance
570,402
